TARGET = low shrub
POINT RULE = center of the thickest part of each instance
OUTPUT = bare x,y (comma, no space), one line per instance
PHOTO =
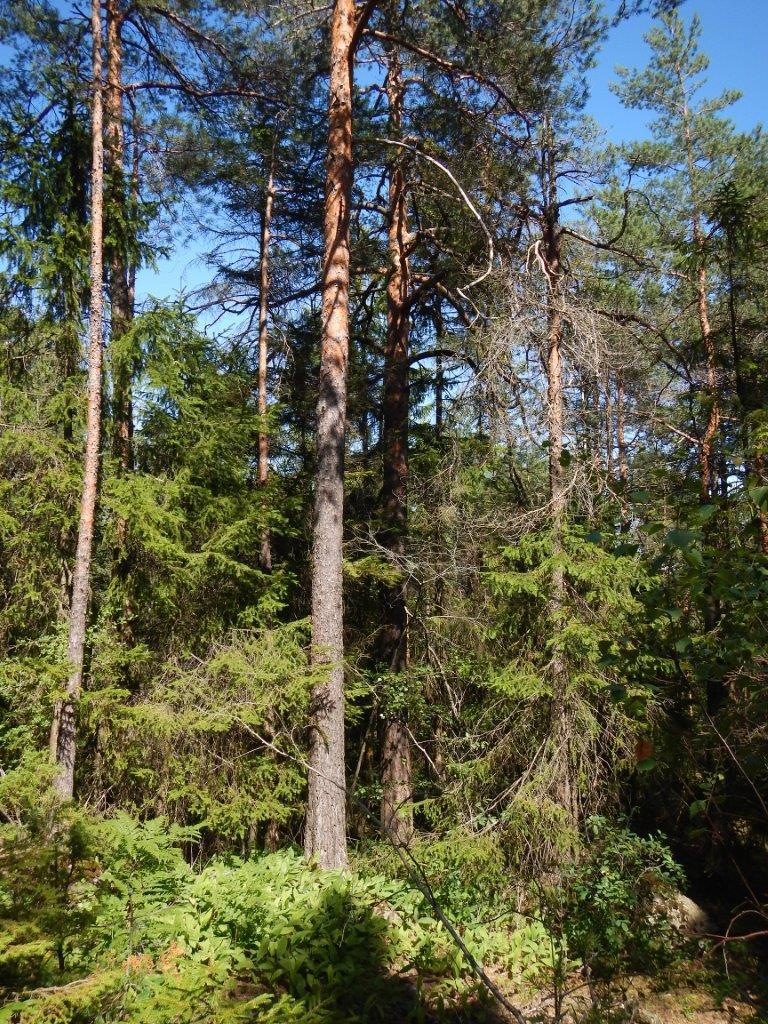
612,902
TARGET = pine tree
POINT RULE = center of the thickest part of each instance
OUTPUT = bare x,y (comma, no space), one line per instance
690,155
326,828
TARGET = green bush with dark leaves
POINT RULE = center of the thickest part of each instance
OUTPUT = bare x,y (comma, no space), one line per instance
617,899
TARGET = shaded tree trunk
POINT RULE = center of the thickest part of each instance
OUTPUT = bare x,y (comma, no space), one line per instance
754,461
325,835
64,728
271,829
396,812
609,451
707,457
439,395
439,325
120,298
120,290
621,448
707,446
621,439
265,557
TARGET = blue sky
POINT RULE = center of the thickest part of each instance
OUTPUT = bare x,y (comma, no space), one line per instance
734,33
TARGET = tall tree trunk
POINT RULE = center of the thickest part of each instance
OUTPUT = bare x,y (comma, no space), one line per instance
120,293
120,301
437,320
609,450
562,776
396,810
562,782
707,455
707,445
716,690
708,471
64,728
271,829
135,168
761,473
439,395
326,837
621,447
120,290
263,461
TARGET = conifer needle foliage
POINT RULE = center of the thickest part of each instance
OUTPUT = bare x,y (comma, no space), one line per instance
383,514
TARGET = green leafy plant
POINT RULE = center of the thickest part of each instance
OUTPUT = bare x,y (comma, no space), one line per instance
614,909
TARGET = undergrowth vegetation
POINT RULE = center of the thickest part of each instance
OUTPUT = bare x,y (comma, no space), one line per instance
115,919
383,512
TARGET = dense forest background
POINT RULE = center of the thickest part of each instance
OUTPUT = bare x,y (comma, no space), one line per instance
383,620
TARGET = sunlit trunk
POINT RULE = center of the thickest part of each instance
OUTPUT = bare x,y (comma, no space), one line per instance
64,728
325,834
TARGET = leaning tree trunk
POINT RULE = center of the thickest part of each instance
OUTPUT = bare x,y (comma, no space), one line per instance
64,728
396,810
326,837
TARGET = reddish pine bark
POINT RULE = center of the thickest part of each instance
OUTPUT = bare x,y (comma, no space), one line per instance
325,834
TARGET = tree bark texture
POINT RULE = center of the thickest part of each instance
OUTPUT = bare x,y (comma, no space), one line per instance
64,729
325,837
396,810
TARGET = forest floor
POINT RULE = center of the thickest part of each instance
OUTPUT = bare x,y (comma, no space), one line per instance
735,992
705,992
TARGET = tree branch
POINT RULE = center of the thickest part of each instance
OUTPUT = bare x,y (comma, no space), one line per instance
471,206
452,68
